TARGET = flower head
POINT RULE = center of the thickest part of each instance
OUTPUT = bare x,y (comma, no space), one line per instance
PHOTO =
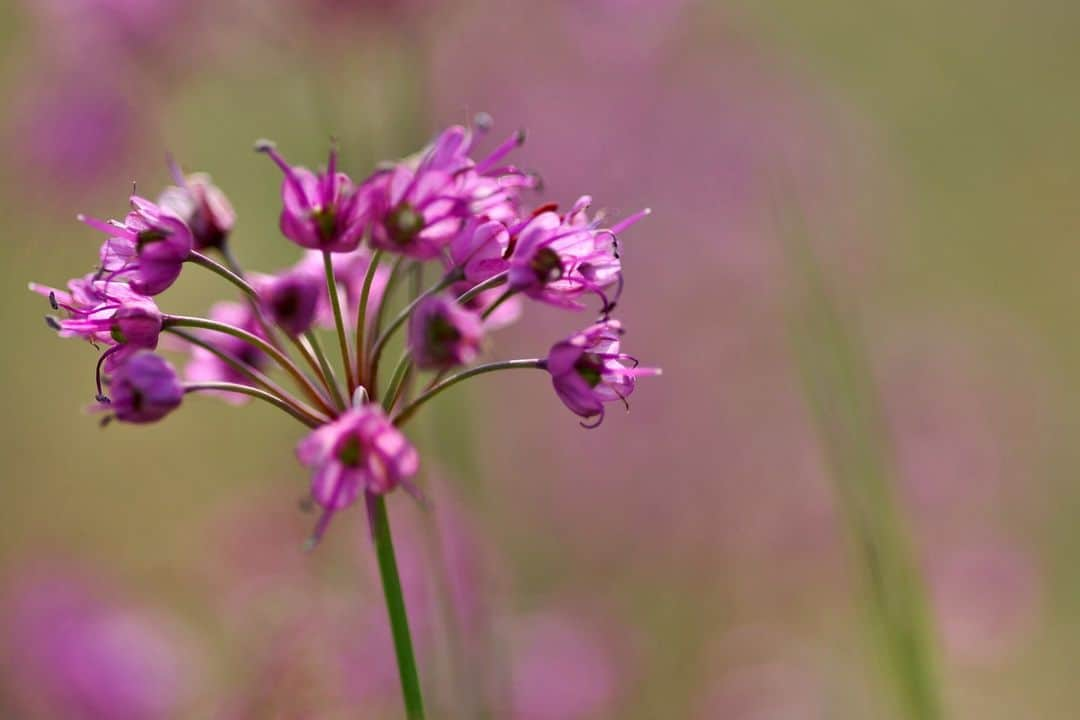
557,259
421,204
202,205
291,298
588,370
104,313
148,249
360,450
322,211
144,389
442,334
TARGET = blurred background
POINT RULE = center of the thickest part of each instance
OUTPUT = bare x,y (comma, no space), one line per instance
911,170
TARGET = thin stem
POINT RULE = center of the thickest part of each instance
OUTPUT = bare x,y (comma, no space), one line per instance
219,269
329,382
325,369
254,340
402,417
449,279
236,276
509,293
361,314
339,321
379,522
492,282
376,322
253,392
397,380
250,373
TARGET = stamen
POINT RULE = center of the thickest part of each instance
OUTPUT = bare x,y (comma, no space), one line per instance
627,222
52,322
267,147
514,141
52,300
175,171
97,372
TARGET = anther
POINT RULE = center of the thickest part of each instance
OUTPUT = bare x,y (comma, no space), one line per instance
52,322
263,145
52,301
483,121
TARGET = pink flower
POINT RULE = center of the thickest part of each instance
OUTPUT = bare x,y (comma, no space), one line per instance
106,313
419,206
588,370
442,334
202,205
359,451
148,249
322,211
558,259
143,389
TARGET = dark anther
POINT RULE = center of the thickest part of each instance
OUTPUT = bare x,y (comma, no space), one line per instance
103,399
264,145
52,301
52,322
306,504
105,420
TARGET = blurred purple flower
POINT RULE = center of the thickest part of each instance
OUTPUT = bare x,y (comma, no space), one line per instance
71,131
205,366
291,298
986,598
443,335
202,205
560,670
69,654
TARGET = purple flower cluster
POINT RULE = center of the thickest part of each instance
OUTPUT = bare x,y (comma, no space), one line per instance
467,217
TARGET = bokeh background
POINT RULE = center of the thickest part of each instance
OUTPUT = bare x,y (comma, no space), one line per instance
690,559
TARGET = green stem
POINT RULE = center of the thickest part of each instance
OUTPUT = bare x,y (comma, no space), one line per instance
256,393
361,314
250,373
498,301
491,282
219,269
397,381
339,321
326,370
402,417
254,340
379,522
845,404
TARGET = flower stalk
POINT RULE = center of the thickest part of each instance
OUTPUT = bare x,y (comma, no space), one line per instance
379,523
